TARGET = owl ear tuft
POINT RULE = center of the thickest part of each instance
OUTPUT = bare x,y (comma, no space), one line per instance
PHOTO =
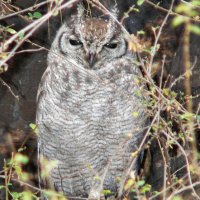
113,16
80,13
114,11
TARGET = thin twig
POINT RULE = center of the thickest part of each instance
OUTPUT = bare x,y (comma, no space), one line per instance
184,74
158,36
172,12
4,83
25,10
187,162
164,170
189,187
31,28
6,178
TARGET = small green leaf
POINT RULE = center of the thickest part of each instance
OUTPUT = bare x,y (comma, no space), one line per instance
136,62
194,29
4,55
146,50
2,186
178,20
177,198
129,183
37,15
140,183
183,8
19,158
186,115
21,149
25,176
141,32
97,177
27,195
106,192
165,91
34,127
30,14
196,2
126,14
21,34
145,188
16,194
135,9
50,193
12,31
135,113
56,12
140,2
18,170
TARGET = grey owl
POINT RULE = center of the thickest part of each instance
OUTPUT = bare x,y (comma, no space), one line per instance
85,105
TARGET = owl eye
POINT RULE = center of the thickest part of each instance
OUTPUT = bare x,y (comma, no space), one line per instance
111,45
75,42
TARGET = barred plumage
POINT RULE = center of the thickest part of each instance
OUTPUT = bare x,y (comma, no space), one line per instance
85,106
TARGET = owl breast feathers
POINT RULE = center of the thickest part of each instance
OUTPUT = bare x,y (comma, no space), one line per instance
85,105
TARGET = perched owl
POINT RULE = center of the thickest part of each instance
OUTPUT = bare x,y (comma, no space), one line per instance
90,109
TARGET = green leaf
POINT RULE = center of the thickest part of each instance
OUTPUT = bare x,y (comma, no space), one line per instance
12,31
19,158
194,29
145,188
146,50
178,20
177,197
129,183
21,34
21,149
183,8
136,62
165,91
97,177
34,127
4,55
135,9
2,186
126,14
196,2
18,170
27,195
16,194
186,115
140,183
141,32
30,14
135,113
51,193
140,2
25,176
106,192
56,12
37,15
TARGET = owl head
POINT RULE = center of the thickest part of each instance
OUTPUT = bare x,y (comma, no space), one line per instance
90,41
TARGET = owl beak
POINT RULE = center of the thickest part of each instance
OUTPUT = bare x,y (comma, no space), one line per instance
91,59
